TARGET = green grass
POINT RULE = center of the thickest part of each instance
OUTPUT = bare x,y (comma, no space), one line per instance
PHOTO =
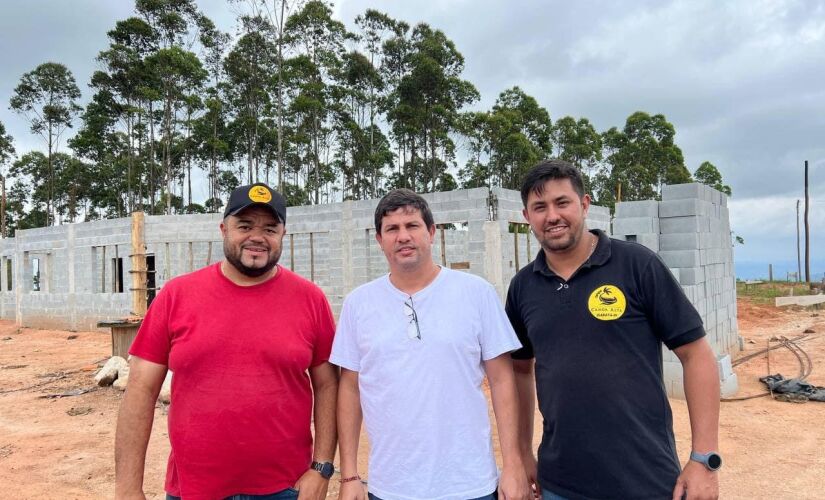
764,293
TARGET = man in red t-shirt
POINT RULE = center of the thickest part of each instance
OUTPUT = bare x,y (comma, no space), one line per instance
248,342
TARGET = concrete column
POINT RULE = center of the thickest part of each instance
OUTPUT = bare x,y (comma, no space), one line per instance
493,258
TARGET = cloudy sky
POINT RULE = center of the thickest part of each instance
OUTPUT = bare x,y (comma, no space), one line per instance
741,80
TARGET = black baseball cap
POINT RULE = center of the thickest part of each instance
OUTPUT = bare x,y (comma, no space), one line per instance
256,194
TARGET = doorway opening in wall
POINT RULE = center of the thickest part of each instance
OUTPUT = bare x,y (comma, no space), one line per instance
36,278
117,275
150,278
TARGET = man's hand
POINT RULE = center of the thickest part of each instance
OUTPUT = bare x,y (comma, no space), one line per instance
514,485
531,469
352,490
696,482
312,486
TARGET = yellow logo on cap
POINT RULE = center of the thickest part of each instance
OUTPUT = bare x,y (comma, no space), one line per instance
260,194
607,303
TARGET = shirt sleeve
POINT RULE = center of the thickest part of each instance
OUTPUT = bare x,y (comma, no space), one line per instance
497,335
345,346
514,315
325,329
154,338
674,319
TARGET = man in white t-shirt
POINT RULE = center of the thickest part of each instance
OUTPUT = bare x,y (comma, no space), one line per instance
414,347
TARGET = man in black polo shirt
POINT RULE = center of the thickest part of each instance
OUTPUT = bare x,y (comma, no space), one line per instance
592,314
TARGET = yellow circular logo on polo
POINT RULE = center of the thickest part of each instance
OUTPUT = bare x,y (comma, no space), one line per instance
607,303
260,194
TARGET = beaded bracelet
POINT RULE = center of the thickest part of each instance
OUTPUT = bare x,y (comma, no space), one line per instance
348,479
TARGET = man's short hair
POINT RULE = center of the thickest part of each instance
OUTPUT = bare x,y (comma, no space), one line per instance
400,198
554,169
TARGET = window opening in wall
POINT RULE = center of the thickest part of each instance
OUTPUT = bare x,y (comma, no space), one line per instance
630,237
9,273
150,278
117,275
36,278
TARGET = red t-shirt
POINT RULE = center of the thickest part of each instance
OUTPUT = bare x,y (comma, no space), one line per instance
241,407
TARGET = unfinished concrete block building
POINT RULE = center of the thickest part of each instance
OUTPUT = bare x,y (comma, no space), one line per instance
76,275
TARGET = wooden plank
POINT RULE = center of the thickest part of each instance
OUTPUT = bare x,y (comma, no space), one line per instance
139,302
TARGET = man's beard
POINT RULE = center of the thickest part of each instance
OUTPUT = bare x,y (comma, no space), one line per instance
234,258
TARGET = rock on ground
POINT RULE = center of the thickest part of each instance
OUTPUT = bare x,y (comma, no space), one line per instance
110,371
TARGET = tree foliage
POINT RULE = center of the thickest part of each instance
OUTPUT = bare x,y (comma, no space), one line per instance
297,100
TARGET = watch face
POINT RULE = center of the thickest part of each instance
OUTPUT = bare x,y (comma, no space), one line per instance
326,469
714,461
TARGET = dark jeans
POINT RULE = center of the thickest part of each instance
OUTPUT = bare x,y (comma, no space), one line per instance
491,496
287,494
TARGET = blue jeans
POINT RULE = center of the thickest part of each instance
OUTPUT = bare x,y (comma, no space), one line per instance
549,495
491,496
287,494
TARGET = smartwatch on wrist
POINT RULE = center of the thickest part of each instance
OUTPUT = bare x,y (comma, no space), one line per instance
710,460
326,469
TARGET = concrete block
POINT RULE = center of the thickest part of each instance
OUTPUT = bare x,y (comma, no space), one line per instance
691,275
687,224
682,191
729,387
635,225
680,241
680,258
680,208
644,208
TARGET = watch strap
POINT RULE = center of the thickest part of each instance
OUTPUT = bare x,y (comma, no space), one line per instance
705,459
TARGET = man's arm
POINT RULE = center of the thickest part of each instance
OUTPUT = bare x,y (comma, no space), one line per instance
134,426
514,483
349,430
526,390
701,380
324,378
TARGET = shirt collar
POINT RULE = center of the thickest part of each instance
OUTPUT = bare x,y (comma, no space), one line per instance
599,257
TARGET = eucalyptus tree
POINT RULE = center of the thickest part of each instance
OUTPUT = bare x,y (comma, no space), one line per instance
708,174
174,71
46,97
122,78
578,142
320,39
103,144
639,159
31,189
210,129
6,154
505,141
276,12
425,105
249,67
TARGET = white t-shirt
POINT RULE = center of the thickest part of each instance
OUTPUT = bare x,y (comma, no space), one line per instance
424,409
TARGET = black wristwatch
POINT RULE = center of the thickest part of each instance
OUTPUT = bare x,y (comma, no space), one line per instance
326,469
710,460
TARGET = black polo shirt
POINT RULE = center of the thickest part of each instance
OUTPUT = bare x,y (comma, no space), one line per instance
597,338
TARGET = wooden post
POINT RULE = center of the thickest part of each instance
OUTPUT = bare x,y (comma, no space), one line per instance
443,248
807,232
516,228
139,302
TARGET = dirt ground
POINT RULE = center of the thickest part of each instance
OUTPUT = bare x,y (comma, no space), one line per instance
62,447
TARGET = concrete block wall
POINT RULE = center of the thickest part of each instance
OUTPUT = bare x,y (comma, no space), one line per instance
483,232
518,244
690,230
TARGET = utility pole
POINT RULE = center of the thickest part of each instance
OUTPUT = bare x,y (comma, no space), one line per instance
798,255
807,232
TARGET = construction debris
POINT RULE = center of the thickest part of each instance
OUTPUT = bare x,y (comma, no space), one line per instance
110,371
